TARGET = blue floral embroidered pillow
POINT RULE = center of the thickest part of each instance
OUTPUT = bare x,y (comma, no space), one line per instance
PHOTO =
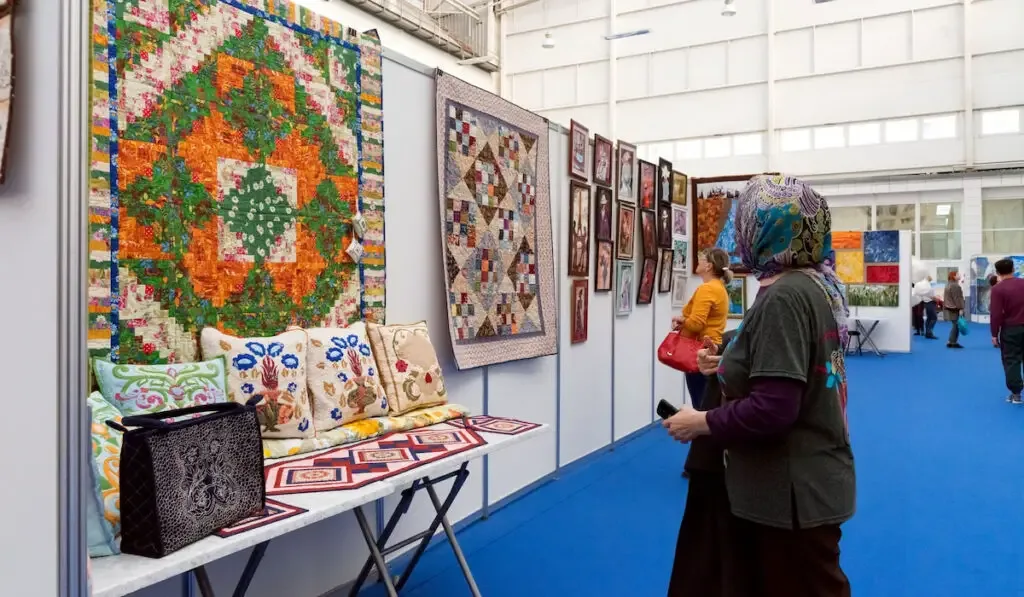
343,377
143,389
272,368
104,513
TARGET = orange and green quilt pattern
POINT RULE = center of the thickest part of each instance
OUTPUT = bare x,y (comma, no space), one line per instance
233,141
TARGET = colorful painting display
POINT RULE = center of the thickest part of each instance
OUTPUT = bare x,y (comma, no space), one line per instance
715,201
603,214
602,161
648,184
679,221
579,139
665,272
648,234
665,226
645,292
496,226
603,267
664,181
679,256
737,289
234,146
579,229
680,185
624,276
580,311
627,231
868,264
625,190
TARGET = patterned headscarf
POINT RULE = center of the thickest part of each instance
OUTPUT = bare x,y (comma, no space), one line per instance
784,224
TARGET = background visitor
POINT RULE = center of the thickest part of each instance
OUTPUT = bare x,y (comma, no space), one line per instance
953,303
707,311
1006,319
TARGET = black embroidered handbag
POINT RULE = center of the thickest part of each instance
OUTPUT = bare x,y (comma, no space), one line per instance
187,473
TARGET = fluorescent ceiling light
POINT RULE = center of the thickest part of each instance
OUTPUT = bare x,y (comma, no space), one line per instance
943,209
549,41
729,9
627,34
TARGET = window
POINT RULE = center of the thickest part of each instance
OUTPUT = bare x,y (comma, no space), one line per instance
1002,226
940,231
1000,122
897,217
829,136
717,147
795,140
901,131
938,127
660,150
747,144
851,218
865,133
689,150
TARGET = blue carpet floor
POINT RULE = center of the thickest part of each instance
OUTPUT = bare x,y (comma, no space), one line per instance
940,466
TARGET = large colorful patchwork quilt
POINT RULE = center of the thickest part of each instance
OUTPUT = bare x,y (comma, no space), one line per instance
234,143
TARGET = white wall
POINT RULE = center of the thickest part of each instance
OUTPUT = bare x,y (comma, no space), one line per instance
775,67
28,243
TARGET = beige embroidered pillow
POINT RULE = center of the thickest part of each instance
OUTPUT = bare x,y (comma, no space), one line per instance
408,366
274,368
343,377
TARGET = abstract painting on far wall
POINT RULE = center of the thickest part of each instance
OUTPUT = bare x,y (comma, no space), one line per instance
873,295
6,77
737,289
495,226
680,185
579,139
714,203
867,260
580,311
850,266
882,246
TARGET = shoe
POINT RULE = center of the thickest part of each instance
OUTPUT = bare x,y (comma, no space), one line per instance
1015,399
958,345
931,336
686,475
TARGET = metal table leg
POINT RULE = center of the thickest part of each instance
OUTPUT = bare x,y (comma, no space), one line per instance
450,532
203,579
866,337
378,557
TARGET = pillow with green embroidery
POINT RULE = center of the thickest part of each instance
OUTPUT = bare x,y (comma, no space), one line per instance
143,389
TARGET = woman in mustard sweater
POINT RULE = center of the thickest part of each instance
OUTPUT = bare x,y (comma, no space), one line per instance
707,311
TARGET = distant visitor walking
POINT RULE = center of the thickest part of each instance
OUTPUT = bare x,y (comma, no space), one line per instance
1006,317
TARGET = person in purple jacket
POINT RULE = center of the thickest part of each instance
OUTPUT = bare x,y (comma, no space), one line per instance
789,466
1006,318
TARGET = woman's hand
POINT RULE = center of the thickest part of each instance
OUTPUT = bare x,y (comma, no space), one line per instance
708,360
687,424
677,322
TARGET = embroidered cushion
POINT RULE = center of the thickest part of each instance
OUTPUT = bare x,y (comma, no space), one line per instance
104,510
142,389
408,366
343,377
274,368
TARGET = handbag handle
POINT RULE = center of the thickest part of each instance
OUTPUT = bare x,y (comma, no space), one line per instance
158,420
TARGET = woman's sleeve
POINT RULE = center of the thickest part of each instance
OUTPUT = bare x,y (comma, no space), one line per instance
702,302
771,408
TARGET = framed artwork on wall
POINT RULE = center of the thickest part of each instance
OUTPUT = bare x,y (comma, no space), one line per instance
665,226
603,213
626,170
679,250
579,229
648,184
680,185
6,78
647,275
737,289
715,201
603,267
627,229
664,181
579,138
602,161
678,290
624,274
665,272
648,233
679,221
580,311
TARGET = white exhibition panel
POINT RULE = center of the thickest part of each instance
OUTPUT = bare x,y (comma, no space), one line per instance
586,369
893,331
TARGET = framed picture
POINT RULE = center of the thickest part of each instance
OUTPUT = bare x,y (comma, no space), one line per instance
579,229
678,290
627,229
679,221
646,290
602,161
626,170
648,234
603,267
679,187
580,311
679,256
665,272
737,289
603,213
648,182
665,226
664,181
579,139
715,201
624,274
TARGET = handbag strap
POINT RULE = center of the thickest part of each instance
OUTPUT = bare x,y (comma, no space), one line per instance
159,420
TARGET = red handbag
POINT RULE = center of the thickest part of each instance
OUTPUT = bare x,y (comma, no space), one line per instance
679,352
